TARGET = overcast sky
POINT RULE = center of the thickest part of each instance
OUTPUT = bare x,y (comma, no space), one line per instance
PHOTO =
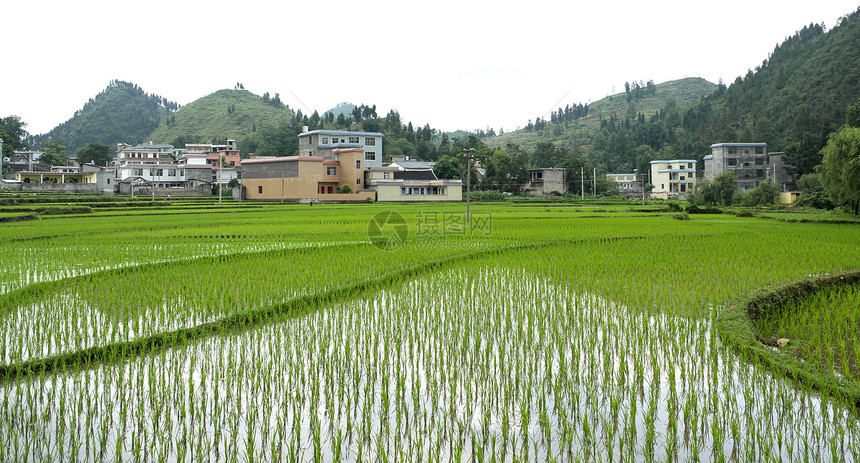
453,64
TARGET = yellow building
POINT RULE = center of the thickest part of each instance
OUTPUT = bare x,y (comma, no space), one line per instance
306,177
398,184
673,178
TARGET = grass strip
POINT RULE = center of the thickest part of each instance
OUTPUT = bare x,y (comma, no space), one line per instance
735,325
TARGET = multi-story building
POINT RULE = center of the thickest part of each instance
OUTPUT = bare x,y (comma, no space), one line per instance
676,177
144,154
748,161
546,181
306,177
628,184
323,143
229,152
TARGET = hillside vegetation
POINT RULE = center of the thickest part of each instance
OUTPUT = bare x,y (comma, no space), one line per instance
233,114
123,112
677,94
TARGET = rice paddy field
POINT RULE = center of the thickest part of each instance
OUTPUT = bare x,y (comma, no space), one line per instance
536,332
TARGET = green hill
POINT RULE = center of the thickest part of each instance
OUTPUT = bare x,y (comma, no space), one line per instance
792,101
123,112
679,94
234,114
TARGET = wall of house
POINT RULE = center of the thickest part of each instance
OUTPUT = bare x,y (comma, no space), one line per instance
392,193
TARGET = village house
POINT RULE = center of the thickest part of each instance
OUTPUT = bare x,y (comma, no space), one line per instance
546,181
673,178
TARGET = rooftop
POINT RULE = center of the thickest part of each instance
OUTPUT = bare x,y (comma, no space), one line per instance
340,132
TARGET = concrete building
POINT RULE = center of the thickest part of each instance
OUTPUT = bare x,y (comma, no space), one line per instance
410,181
144,154
547,181
674,178
307,177
748,161
629,185
322,143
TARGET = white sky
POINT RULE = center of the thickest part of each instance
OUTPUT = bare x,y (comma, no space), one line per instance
453,64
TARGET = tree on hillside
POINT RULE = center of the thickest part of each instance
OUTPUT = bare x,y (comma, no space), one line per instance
13,133
852,115
506,169
95,153
840,168
802,156
54,154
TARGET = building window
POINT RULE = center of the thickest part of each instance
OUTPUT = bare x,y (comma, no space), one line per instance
324,141
759,150
402,190
358,164
260,189
358,181
369,141
732,162
370,155
759,161
171,172
759,173
689,166
386,175
733,150
331,170
353,140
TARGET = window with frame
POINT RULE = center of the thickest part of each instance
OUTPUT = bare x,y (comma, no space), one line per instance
358,181
324,141
386,175
759,161
759,150
331,170
370,155
733,150
353,140
369,141
732,162
358,164
260,189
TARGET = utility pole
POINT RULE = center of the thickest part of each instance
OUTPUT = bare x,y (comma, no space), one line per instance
468,153
220,166
582,181
594,183
1,160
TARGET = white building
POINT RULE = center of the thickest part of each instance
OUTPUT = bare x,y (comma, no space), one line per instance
673,178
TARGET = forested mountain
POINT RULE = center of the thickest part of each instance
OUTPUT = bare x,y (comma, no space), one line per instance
791,101
123,112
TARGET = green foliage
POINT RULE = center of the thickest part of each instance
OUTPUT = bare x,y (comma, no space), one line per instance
344,189
95,153
54,154
506,170
840,168
235,114
764,194
721,191
13,133
123,112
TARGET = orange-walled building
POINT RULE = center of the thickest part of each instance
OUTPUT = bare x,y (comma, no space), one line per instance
307,177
